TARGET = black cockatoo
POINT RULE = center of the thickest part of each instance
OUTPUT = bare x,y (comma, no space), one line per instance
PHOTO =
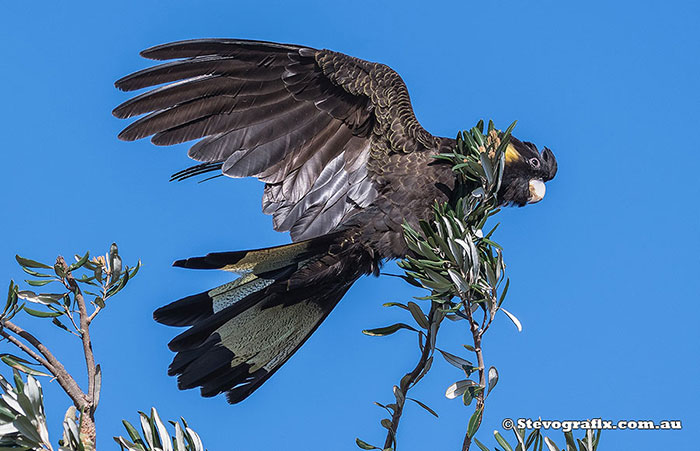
344,162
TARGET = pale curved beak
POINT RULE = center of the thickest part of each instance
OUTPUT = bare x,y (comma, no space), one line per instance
537,190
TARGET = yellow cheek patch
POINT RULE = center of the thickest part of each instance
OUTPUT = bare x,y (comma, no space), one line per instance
511,154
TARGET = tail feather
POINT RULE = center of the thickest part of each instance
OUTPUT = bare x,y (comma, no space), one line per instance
243,331
186,311
257,260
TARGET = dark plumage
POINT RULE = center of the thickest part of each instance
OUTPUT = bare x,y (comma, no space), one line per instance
344,162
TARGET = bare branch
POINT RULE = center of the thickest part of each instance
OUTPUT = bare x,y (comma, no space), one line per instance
65,380
29,351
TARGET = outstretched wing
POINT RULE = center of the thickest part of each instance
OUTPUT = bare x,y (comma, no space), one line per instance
314,125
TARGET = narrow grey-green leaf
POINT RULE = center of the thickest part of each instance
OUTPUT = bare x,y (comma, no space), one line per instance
39,283
28,263
458,280
456,361
418,315
80,262
550,444
493,379
501,441
364,445
474,423
163,435
131,430
570,441
512,317
35,273
58,323
481,446
388,330
40,314
458,388
425,407
179,438
14,362
395,304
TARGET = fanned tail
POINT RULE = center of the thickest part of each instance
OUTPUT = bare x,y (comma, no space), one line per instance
243,331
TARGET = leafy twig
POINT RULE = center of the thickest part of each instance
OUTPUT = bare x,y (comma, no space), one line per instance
110,278
412,378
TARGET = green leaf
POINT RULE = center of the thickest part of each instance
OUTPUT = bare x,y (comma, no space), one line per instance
492,378
58,323
28,263
570,442
117,287
471,394
503,293
550,444
458,362
386,423
458,388
481,446
35,273
488,167
412,281
43,298
132,431
532,437
40,314
364,445
11,296
519,436
425,407
395,304
418,315
458,280
501,441
509,130
81,261
388,330
39,283
18,363
474,423
135,270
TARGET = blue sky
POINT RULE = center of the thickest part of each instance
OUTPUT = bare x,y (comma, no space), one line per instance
603,272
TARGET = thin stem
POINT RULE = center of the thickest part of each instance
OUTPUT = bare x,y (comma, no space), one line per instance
94,314
411,378
477,334
69,314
